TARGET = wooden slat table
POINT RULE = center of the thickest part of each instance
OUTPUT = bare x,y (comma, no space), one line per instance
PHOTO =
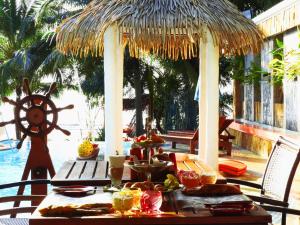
85,172
199,167
176,209
95,173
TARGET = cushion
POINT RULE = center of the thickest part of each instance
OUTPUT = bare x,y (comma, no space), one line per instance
233,167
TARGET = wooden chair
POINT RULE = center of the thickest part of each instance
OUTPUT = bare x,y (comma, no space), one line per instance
277,180
225,137
34,199
190,139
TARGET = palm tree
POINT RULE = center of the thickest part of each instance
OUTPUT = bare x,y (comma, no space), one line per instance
27,46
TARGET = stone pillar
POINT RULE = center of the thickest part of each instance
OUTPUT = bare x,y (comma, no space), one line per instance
113,82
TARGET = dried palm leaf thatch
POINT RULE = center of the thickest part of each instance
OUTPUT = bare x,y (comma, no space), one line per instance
170,28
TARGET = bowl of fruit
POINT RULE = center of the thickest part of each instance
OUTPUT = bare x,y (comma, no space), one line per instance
87,150
190,179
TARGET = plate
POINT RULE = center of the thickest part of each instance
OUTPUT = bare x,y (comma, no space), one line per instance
93,155
74,190
230,209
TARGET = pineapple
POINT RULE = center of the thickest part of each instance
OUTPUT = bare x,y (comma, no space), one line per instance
85,149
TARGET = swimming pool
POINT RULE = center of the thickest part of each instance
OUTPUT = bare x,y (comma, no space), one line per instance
12,162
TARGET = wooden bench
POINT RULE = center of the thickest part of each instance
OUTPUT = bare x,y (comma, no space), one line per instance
181,132
259,138
190,139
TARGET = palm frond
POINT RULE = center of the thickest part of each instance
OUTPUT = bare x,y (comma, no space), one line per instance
52,63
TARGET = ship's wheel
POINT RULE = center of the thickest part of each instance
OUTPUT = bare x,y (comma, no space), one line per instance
35,115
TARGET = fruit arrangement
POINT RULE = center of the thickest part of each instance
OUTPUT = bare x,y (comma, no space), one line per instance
189,179
87,149
144,186
144,142
171,183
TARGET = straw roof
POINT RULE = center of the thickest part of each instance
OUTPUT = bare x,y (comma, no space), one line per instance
170,28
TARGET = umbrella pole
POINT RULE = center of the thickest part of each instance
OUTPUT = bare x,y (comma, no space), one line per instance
113,83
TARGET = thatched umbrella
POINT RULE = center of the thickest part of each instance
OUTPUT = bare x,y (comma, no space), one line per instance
169,28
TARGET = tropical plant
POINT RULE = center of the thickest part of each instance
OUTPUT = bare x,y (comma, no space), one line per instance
27,46
257,6
24,46
284,64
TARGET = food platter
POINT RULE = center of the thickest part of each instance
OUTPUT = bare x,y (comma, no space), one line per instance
145,167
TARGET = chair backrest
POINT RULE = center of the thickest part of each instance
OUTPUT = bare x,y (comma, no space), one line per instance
281,169
196,135
18,198
224,124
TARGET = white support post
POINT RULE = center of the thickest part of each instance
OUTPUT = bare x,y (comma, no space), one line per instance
202,100
113,83
212,103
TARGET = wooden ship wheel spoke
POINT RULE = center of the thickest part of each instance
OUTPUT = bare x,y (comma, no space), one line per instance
31,117
36,109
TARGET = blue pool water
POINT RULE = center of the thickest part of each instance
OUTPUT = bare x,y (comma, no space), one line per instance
12,162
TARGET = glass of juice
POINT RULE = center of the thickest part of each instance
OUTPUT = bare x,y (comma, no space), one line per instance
122,201
116,168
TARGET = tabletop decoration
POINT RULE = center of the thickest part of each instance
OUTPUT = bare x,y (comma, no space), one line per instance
147,167
87,150
151,201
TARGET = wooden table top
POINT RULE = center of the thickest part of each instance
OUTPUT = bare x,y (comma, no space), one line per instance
85,172
176,209
95,173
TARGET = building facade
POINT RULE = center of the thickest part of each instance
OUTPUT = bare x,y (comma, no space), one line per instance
268,106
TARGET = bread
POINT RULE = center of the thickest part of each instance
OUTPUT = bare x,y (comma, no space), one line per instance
70,210
214,190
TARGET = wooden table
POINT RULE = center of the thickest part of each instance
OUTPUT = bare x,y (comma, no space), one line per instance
176,209
95,173
85,172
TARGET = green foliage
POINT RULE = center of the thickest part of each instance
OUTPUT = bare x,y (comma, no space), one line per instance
175,84
91,73
257,6
100,135
285,65
27,46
